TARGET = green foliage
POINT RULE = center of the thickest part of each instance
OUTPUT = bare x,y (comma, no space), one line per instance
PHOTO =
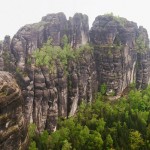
64,41
102,125
103,89
136,140
66,145
140,44
120,20
94,142
7,60
32,135
132,86
50,55
29,60
32,131
32,146
44,140
110,54
109,142
139,100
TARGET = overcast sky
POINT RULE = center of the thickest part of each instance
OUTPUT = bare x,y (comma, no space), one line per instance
17,13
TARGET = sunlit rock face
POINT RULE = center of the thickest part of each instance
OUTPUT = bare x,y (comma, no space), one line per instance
119,60
13,129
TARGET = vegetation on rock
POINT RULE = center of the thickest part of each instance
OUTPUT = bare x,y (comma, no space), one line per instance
120,20
123,124
140,46
50,55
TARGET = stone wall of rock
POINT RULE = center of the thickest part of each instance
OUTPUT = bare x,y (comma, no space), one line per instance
49,95
78,32
116,60
120,61
13,129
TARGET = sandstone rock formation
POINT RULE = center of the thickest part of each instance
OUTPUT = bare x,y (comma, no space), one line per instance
120,57
49,95
13,129
78,30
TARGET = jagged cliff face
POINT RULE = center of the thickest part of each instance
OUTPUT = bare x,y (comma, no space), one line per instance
117,60
120,59
49,95
13,129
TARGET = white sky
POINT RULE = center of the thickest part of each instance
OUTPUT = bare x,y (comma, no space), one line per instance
17,13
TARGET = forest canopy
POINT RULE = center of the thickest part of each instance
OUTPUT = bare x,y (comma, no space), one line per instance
102,125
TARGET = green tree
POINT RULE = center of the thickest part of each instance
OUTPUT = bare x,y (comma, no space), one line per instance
109,142
121,124
103,89
32,131
32,146
148,136
64,41
44,140
136,140
95,141
66,145
141,46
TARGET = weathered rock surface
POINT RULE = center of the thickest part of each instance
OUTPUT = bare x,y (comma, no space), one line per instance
120,61
13,129
78,32
49,95
117,60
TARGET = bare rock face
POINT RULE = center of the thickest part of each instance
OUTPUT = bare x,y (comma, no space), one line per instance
143,59
121,53
7,61
82,82
13,129
78,30
49,95
120,57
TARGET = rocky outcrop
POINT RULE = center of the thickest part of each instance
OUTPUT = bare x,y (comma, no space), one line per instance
13,129
49,95
53,26
120,57
78,30
7,61
143,59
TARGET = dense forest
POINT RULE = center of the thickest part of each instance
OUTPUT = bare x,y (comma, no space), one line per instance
123,124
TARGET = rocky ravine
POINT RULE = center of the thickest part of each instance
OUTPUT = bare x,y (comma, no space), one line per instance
118,59
13,129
